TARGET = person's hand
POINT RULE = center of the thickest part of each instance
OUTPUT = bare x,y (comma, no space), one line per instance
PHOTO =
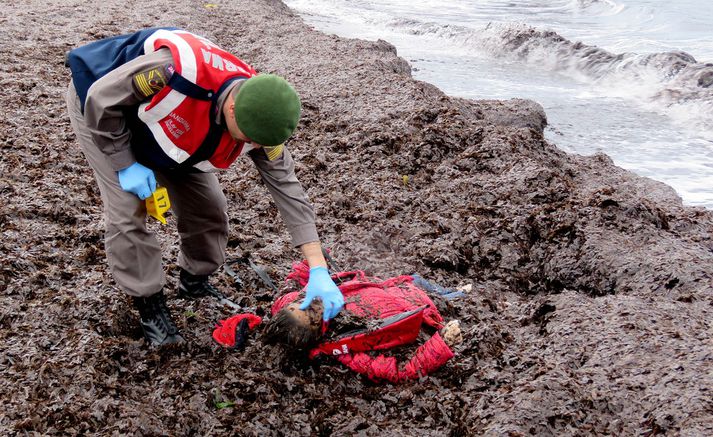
452,334
138,179
320,285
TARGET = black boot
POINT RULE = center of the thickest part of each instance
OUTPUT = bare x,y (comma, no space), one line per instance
156,321
195,286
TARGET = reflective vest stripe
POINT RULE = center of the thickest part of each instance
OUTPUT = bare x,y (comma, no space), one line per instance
188,67
173,99
169,148
187,70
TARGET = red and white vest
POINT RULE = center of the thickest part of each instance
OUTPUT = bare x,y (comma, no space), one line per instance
180,123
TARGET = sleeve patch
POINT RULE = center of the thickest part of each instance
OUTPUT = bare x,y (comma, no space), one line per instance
148,83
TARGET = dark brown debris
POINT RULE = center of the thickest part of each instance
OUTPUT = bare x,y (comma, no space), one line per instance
590,309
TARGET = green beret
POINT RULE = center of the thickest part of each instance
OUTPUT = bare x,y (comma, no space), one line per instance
267,109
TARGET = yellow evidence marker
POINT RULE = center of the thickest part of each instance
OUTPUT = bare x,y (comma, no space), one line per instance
158,203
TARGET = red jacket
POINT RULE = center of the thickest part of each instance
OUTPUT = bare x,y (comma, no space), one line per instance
376,299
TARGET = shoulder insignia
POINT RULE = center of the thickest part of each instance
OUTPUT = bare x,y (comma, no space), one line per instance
149,82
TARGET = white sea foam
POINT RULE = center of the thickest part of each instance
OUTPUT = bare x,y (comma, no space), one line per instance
667,82
596,7
624,77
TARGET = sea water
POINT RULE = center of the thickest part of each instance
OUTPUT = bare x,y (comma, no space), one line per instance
625,77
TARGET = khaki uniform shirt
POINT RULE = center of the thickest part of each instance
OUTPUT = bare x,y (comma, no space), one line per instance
103,113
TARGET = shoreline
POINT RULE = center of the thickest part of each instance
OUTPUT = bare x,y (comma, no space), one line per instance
657,145
591,285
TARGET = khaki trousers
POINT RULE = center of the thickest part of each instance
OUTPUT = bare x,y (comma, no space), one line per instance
133,252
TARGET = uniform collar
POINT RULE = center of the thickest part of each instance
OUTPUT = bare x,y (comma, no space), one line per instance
219,118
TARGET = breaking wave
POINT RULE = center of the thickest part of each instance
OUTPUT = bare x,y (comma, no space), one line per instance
672,82
584,4
538,10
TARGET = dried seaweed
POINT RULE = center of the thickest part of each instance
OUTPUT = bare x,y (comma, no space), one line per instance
621,267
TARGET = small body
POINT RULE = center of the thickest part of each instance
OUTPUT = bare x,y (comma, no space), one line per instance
359,330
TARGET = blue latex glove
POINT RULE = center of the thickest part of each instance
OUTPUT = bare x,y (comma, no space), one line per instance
320,285
137,179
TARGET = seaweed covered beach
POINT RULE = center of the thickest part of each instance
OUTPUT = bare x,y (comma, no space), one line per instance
591,293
